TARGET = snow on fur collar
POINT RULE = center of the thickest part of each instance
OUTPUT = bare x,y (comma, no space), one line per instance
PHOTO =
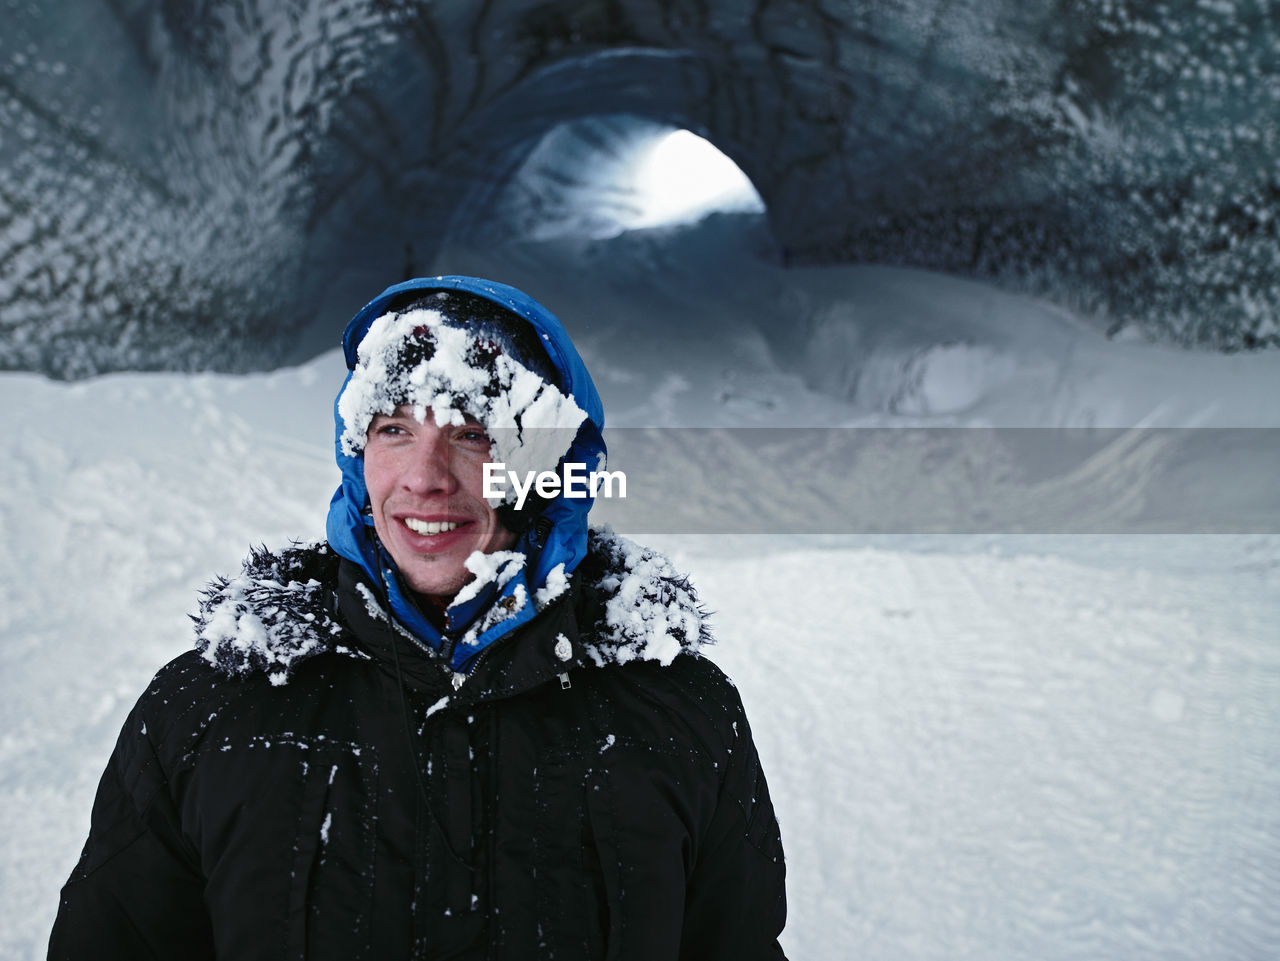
272,616
279,611
651,612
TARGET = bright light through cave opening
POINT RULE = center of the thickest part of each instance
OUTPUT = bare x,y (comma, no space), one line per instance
597,177
679,177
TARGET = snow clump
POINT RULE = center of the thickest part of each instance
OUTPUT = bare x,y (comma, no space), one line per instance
417,358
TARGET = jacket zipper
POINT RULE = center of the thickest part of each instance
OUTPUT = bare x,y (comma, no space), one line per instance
458,678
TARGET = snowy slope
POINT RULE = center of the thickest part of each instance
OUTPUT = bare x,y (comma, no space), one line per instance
987,747
117,499
689,326
1000,756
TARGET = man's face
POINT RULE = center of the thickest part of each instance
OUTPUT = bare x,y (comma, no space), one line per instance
425,488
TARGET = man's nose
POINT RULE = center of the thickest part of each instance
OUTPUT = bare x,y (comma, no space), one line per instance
429,466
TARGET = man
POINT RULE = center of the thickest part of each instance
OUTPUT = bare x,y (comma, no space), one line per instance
458,729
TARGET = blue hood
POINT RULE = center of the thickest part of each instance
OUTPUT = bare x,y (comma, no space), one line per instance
559,538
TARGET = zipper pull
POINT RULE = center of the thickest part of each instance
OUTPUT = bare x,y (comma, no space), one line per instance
564,681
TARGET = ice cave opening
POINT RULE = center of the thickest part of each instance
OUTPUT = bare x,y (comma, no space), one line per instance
680,177
600,176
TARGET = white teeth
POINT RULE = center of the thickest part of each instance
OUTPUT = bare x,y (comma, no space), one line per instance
428,527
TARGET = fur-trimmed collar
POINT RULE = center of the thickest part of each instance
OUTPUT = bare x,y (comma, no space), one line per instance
276,613
279,610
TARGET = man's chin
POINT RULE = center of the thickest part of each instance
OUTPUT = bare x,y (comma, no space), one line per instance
442,585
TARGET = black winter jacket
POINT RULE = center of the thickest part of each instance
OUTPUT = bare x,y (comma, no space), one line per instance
296,793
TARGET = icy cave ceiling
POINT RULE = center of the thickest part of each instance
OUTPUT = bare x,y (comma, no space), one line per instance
186,185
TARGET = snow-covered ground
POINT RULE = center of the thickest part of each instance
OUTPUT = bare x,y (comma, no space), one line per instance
989,746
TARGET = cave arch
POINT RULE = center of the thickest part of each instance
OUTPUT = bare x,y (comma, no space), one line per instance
202,182
441,185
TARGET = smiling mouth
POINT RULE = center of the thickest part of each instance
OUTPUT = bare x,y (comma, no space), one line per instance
429,528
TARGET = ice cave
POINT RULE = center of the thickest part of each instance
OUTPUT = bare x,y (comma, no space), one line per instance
940,340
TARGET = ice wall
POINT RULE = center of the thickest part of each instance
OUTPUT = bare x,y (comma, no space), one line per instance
189,185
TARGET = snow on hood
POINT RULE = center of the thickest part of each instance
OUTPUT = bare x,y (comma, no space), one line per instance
277,612
559,541
531,422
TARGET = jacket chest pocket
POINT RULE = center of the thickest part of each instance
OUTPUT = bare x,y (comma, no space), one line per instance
612,848
284,827
570,859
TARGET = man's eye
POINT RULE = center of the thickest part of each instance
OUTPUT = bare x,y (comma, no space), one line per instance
475,435
389,430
